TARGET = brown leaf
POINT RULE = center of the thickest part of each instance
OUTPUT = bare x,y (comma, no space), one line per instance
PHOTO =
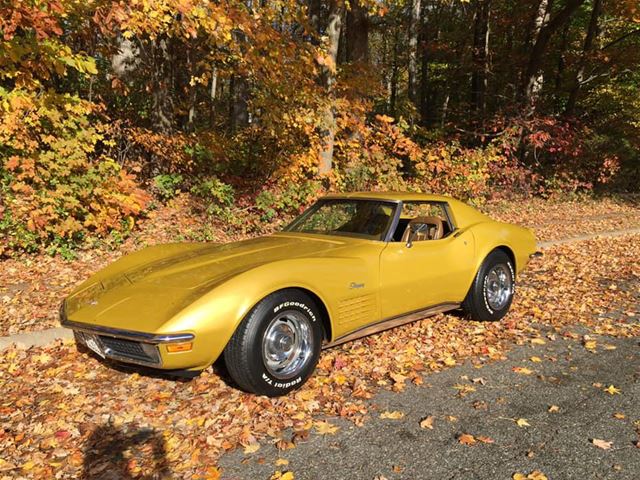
466,439
427,422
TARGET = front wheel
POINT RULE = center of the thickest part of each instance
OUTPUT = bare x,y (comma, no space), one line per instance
491,292
277,345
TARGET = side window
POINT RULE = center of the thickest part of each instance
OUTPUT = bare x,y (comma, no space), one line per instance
429,220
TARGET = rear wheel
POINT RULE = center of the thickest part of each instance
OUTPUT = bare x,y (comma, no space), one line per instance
277,345
491,292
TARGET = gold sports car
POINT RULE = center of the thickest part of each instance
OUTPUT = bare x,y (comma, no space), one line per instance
349,266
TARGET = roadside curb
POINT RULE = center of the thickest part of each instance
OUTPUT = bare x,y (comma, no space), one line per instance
41,338
38,338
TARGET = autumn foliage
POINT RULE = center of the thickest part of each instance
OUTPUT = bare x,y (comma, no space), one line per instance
109,107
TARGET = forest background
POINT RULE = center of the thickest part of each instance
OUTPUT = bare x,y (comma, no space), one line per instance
251,110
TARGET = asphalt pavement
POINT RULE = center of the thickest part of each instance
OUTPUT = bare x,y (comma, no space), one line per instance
569,396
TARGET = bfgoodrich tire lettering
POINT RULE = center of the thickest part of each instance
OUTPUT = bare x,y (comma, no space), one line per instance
491,292
277,345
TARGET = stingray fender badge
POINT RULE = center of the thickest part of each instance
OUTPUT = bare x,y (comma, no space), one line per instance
354,285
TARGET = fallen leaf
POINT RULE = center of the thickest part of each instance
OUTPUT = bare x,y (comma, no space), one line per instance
251,448
281,461
522,370
611,390
535,475
522,422
619,416
282,476
464,390
466,439
603,444
395,415
536,359
538,341
427,422
553,409
483,439
325,428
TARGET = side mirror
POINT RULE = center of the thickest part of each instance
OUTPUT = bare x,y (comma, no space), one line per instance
415,229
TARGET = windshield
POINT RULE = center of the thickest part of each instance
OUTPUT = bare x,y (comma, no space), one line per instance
368,219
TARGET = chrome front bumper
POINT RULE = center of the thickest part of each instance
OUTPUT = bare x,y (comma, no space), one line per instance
123,345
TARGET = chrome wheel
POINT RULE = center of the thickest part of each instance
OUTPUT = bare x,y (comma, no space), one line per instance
498,286
287,344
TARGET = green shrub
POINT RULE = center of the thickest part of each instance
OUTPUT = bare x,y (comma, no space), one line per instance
167,185
218,195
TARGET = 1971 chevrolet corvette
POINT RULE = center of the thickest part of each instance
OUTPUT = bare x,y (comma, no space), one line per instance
349,266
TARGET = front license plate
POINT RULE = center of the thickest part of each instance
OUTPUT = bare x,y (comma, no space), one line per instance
92,343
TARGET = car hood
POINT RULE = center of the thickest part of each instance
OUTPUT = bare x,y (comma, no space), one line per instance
149,287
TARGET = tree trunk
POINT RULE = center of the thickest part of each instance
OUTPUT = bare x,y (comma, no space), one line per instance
480,73
162,105
212,94
357,33
395,72
414,33
564,44
239,111
592,33
334,28
530,86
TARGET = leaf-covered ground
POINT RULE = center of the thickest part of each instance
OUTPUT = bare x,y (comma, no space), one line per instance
61,410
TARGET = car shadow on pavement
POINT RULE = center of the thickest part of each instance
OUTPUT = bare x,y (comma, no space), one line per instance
120,453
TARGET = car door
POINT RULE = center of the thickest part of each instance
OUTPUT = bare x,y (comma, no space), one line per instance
428,273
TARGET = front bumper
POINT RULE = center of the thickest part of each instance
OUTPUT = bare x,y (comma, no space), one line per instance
126,346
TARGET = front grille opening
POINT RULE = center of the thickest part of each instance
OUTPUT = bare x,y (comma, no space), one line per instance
130,349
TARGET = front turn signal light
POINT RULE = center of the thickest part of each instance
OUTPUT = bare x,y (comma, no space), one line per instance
179,347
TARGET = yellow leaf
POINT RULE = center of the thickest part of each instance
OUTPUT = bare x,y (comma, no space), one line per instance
538,341
449,362
28,466
611,390
590,345
619,416
282,476
523,370
522,422
395,415
325,428
554,409
535,475
281,461
251,448
536,359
